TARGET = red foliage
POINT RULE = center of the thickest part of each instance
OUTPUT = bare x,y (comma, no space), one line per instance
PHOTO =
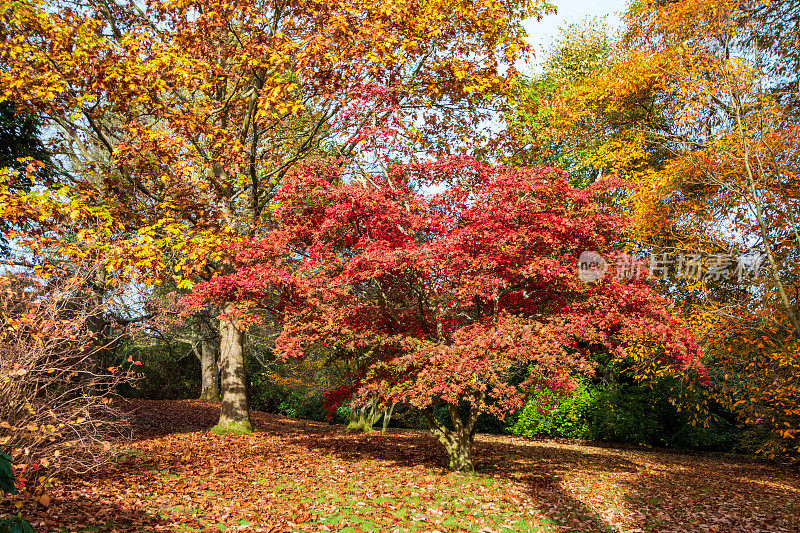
450,295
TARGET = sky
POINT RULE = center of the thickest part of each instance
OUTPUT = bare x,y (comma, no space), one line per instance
541,34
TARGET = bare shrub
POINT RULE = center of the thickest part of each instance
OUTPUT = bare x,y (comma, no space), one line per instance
57,407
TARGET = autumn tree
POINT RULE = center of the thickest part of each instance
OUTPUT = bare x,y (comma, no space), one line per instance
565,116
19,145
20,140
697,105
182,118
57,339
726,74
468,298
198,334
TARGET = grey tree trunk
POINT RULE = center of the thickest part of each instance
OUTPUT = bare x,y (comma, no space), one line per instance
364,417
353,423
387,416
234,415
95,321
97,324
458,441
209,389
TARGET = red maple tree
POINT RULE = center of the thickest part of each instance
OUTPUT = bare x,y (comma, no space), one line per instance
451,283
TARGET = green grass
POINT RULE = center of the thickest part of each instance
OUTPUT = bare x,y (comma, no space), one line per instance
233,428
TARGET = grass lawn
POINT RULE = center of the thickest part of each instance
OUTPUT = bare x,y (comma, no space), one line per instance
293,475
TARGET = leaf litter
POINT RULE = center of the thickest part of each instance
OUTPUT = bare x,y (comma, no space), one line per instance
296,475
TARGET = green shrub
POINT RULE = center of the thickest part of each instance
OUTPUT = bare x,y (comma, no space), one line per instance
561,416
649,414
342,415
630,413
619,413
14,524
267,396
7,484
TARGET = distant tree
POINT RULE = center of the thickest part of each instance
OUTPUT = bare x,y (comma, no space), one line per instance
560,116
697,104
19,145
19,139
726,74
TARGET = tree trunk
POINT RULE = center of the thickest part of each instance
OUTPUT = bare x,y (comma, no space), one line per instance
95,320
366,417
353,423
758,208
234,413
362,419
208,363
459,451
98,326
458,441
387,416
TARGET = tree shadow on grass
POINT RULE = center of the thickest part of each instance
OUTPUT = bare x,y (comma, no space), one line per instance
158,418
572,483
654,491
538,469
712,493
397,448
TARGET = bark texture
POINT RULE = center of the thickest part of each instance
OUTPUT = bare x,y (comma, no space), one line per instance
208,364
234,414
364,417
458,441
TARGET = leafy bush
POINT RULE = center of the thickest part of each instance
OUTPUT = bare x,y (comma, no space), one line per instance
306,406
649,414
56,394
564,416
15,524
630,413
271,397
619,413
7,484
293,387
170,372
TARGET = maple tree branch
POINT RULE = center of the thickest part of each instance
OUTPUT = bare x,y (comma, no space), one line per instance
434,424
108,15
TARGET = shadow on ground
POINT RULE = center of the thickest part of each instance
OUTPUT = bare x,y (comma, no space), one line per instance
577,486
591,487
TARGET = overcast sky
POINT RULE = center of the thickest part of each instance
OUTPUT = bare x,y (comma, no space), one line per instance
541,34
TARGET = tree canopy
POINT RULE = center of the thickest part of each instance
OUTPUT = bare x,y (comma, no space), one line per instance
468,296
